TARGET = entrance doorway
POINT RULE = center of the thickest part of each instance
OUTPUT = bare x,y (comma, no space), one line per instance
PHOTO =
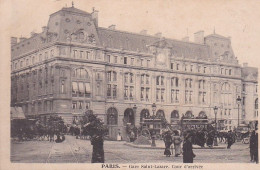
129,117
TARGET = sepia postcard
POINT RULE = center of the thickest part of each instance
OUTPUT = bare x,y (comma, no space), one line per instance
129,84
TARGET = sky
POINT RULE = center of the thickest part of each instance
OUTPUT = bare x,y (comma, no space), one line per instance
174,18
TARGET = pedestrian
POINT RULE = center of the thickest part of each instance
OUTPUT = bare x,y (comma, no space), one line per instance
168,142
188,154
252,146
256,148
132,136
177,143
230,139
98,149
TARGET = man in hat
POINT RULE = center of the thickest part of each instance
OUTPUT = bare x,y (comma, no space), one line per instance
168,141
188,154
230,139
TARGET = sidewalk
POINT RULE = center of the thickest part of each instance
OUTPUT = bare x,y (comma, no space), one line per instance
160,145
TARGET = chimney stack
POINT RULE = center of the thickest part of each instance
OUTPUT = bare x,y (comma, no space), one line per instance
143,32
32,33
44,28
13,41
159,34
245,64
21,39
199,37
94,16
112,27
186,39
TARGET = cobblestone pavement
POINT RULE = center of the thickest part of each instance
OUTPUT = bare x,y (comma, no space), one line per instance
79,151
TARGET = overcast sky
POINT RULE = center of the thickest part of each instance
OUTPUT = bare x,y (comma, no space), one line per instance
175,19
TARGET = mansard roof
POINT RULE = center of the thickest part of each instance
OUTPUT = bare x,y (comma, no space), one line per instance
138,42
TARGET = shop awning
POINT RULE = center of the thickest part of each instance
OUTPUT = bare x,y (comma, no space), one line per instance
17,113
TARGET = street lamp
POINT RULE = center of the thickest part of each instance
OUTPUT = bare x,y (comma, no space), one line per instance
215,111
215,137
153,135
238,103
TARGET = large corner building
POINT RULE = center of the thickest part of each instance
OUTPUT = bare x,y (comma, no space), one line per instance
74,65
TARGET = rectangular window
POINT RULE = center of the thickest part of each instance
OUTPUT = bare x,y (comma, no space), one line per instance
230,71
115,59
172,66
132,61
62,86
87,106
244,101
177,67
125,60
147,79
158,80
191,68
131,95
142,79
142,62
147,94
162,80
157,94
81,54
109,90
74,105
199,69
109,76
74,89
126,78
142,93
186,96
114,76
190,97
126,92
80,104
162,94
81,89
204,70
51,105
222,70
172,95
114,91
148,63
108,58
177,96
87,90
75,53
87,55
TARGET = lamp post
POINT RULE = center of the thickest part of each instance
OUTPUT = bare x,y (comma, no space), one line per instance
134,109
215,111
238,103
153,135
215,137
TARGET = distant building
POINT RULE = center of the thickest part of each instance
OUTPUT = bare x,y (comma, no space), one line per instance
74,65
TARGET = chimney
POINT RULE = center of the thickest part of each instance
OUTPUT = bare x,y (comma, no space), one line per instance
143,32
32,33
245,64
44,28
112,27
186,39
199,37
21,39
13,41
94,16
159,35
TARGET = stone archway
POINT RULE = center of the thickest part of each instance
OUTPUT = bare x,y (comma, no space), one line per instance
160,113
112,116
189,114
144,114
129,117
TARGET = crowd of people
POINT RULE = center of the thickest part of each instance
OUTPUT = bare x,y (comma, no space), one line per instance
200,137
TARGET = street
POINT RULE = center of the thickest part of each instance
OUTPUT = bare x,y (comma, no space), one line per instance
74,150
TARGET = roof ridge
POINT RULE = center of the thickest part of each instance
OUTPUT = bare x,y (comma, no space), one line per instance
151,36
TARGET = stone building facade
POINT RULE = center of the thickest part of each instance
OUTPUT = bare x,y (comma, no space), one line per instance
74,65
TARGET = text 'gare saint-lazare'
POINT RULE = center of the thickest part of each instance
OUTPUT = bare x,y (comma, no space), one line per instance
74,65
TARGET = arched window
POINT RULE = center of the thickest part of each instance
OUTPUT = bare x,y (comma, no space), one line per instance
112,116
175,114
189,114
256,103
202,114
160,113
144,114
